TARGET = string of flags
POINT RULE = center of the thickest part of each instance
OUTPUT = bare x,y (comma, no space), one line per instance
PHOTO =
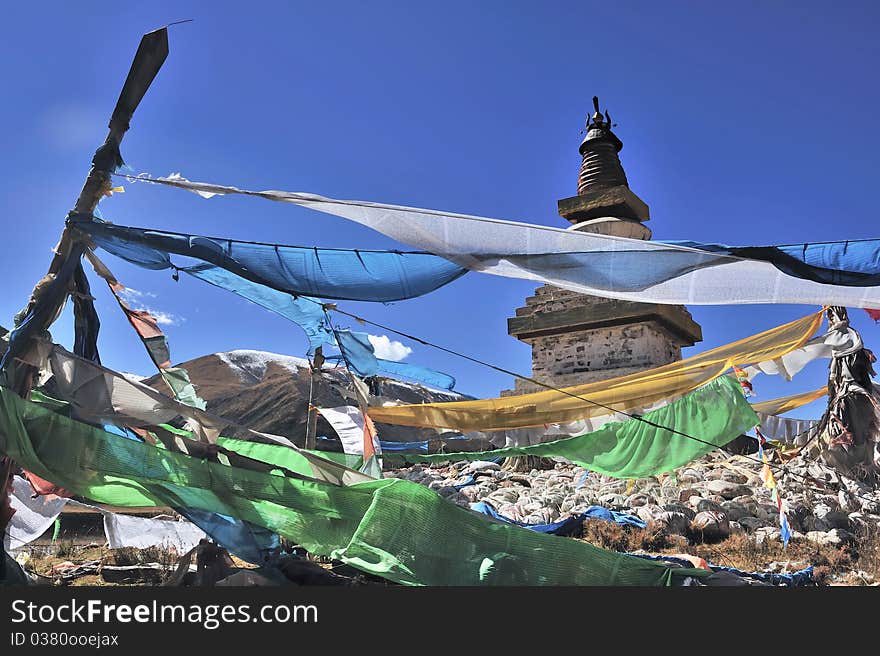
743,378
770,483
837,273
153,338
766,472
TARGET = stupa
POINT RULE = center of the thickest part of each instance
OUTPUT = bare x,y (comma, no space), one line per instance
576,338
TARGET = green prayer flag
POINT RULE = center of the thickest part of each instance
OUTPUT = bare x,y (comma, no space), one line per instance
392,528
710,417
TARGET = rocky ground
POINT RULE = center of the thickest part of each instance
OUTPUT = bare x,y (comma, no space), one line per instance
716,508
715,504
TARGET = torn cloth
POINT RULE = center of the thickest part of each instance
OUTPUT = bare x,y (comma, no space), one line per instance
359,525
143,532
34,514
355,430
103,396
359,354
357,275
840,273
156,344
628,393
306,312
567,525
703,421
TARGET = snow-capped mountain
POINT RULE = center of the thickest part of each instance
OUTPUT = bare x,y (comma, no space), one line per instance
270,392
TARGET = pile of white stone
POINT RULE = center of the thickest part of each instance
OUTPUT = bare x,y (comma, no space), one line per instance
709,499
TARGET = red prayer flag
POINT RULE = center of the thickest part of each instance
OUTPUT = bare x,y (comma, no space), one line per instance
43,487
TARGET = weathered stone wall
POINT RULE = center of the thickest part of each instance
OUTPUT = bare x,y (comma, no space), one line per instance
586,356
576,338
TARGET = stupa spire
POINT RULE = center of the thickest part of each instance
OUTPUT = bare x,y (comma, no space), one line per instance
603,191
601,167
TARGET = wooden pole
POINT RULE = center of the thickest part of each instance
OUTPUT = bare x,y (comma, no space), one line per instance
148,59
315,377
150,55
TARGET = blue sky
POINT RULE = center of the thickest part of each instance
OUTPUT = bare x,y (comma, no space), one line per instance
745,123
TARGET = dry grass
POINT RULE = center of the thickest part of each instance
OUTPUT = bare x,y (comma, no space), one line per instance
831,564
614,537
65,548
42,560
131,556
866,552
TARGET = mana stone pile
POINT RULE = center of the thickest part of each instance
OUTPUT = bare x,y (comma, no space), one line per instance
706,500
